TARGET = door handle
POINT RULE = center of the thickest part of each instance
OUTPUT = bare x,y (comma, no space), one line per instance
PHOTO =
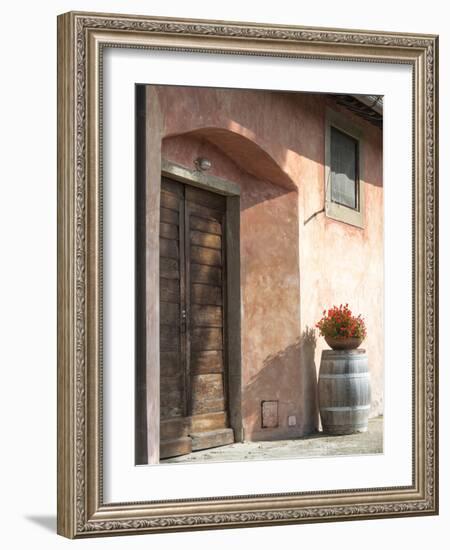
183,320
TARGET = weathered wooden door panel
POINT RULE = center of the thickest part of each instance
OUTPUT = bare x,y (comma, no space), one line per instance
193,331
204,362
172,372
206,283
206,275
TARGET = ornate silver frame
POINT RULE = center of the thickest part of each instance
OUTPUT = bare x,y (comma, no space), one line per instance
81,511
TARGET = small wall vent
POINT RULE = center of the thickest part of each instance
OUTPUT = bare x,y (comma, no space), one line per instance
269,414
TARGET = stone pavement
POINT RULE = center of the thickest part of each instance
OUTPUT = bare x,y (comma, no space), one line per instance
315,445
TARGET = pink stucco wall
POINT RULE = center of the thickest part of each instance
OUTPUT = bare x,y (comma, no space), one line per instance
294,260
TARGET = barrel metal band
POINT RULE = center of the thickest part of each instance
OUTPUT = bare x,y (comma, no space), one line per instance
338,361
355,408
349,375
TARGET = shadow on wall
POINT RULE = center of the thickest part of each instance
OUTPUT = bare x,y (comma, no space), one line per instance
280,122
290,378
245,154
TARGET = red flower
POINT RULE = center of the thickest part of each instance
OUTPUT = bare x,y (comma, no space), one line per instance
339,321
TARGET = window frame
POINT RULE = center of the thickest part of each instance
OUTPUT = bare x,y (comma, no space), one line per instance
334,210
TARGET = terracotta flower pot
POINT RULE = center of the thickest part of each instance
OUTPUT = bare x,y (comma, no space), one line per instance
339,342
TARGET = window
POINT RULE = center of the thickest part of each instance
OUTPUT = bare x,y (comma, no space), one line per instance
343,169
343,188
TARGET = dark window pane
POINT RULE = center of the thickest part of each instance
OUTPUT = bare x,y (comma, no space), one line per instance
343,169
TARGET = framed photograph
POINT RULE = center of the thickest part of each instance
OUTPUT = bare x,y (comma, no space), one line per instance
247,274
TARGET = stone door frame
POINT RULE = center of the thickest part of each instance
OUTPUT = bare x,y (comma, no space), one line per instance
231,191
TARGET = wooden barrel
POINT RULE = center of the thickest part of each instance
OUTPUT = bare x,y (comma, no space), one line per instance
344,391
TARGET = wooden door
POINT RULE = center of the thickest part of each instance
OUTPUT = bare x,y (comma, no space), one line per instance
193,366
